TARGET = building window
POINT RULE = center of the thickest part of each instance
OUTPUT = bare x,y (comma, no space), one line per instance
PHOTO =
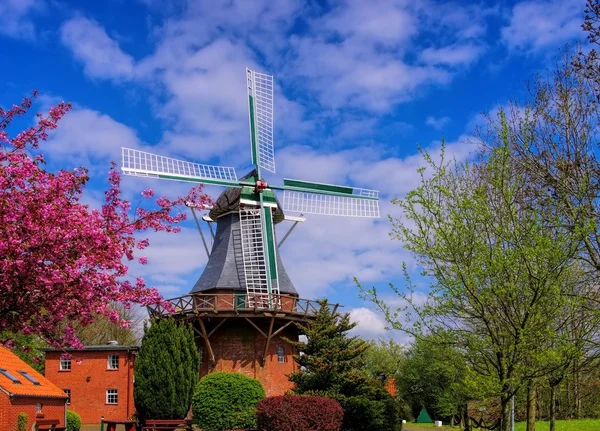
29,377
68,392
113,362
38,408
65,364
112,396
9,376
280,354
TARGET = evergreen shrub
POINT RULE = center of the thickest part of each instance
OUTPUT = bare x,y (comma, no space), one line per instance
22,421
299,413
166,371
226,401
73,421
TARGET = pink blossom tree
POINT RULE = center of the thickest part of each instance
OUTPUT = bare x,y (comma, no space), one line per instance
61,261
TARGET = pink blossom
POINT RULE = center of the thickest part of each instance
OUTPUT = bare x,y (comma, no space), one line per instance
61,261
148,193
143,260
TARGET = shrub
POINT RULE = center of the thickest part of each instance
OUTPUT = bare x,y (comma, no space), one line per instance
299,413
166,371
73,421
224,401
22,421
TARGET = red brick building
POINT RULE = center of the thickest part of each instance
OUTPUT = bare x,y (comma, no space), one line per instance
98,380
24,390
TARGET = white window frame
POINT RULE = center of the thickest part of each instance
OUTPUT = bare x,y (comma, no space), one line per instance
110,393
65,364
38,408
68,392
280,357
110,364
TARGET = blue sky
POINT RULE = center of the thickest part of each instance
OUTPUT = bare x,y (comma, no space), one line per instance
359,84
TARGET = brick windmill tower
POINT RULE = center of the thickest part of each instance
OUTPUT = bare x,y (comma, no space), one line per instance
244,304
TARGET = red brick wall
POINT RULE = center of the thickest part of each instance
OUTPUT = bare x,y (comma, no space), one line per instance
89,380
10,408
238,347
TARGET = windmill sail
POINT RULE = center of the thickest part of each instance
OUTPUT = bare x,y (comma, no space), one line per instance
260,270
325,199
260,106
142,164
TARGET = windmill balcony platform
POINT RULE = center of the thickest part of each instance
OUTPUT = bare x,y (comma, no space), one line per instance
190,306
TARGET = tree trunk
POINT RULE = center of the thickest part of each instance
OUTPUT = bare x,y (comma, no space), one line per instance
504,414
552,408
531,406
577,393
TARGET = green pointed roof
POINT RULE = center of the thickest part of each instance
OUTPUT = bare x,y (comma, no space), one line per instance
424,417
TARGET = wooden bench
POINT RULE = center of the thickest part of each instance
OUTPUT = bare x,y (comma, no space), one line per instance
48,425
167,424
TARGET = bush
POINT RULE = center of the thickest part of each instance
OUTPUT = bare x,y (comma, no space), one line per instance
299,413
166,371
73,421
22,421
224,401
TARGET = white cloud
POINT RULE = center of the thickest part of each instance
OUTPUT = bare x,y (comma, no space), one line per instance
90,138
15,18
536,24
100,54
437,123
370,323
452,56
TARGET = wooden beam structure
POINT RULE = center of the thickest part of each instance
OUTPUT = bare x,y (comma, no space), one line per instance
208,346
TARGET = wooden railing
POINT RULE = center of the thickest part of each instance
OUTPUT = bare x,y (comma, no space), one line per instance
194,304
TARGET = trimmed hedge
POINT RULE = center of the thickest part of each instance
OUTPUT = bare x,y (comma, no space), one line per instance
73,421
226,401
299,413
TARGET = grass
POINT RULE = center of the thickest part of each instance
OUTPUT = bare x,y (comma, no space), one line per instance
573,425
427,427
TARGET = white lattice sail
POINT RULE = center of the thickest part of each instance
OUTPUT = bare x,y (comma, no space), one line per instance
312,203
260,88
142,164
254,259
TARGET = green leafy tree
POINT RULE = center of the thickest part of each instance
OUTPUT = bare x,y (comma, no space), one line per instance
498,269
226,401
434,376
166,371
331,364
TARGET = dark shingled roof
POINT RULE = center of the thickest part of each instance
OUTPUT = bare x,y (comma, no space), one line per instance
229,201
225,269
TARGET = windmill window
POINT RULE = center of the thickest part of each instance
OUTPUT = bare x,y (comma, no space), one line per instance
30,377
68,392
65,364
113,362
9,376
280,354
112,396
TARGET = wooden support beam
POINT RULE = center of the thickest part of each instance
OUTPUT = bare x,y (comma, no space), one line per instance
197,332
282,328
217,327
256,327
264,357
208,346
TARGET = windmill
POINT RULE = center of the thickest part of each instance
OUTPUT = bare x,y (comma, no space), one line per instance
258,204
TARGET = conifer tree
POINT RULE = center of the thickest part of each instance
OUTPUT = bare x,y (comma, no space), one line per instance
166,371
331,364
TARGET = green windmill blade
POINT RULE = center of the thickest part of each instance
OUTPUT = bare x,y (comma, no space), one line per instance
327,199
143,164
260,110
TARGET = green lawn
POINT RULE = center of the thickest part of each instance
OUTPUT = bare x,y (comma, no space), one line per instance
574,425
426,427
